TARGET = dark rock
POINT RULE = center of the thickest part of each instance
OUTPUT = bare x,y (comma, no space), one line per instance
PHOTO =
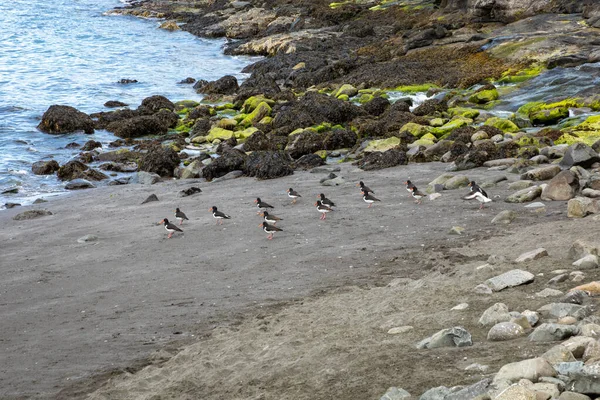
10,190
65,119
260,140
225,85
268,164
124,180
306,142
31,214
11,205
567,61
150,199
39,201
71,170
115,103
78,184
378,160
309,161
104,119
200,128
153,104
126,81
339,139
579,154
91,145
189,191
226,145
45,167
137,127
430,107
160,160
72,145
86,157
119,167
574,297
230,161
377,106
187,80
119,156
167,118
471,159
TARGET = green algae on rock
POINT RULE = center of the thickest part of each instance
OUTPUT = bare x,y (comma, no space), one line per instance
484,96
503,124
382,145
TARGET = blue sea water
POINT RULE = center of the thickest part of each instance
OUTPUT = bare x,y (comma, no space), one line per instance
70,52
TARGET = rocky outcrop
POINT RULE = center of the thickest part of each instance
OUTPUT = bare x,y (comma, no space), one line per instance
378,160
232,160
65,119
135,127
45,167
225,85
160,160
268,164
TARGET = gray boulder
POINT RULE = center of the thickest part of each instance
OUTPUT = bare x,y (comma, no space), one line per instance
541,173
525,195
562,187
553,332
395,393
531,369
451,337
505,331
495,314
579,154
511,278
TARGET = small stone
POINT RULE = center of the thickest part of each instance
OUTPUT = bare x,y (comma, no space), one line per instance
400,329
587,262
460,307
190,191
434,196
478,367
532,255
87,239
504,217
537,204
395,393
548,292
150,198
456,230
482,289
456,182
552,332
495,259
558,279
505,331
79,184
567,321
531,369
31,214
451,337
532,316
511,278
495,314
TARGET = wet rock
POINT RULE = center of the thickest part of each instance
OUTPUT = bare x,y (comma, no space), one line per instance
395,393
78,184
531,369
45,167
549,332
580,207
541,173
456,182
515,277
230,175
189,191
305,142
504,217
145,125
430,107
232,160
587,262
339,139
225,85
495,314
119,156
153,104
91,145
114,104
268,164
505,331
378,160
264,141
31,214
560,310
65,119
579,154
377,106
147,178
451,337
127,81
532,255
75,169
525,195
11,205
310,161
562,187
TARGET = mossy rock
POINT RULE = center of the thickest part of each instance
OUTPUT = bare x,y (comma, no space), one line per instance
382,145
414,129
252,102
503,124
429,137
227,123
528,141
224,106
347,90
261,111
464,112
266,121
198,139
322,154
587,132
526,108
343,97
184,127
324,127
437,122
517,76
245,134
548,117
218,133
421,142
300,130
240,117
185,104
365,98
484,96
455,123
411,89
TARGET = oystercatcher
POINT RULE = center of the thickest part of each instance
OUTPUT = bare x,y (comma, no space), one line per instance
171,228
180,216
270,229
218,215
270,218
293,195
477,193
364,188
369,198
325,201
323,209
262,204
417,194
409,186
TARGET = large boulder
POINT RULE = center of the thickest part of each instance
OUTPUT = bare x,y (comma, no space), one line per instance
225,85
231,160
377,106
579,154
260,140
268,164
78,170
579,207
562,187
45,167
451,337
153,104
339,139
65,119
137,127
160,160
305,142
379,160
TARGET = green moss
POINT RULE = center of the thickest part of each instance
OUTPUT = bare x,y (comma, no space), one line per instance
262,110
437,122
528,141
464,112
182,111
382,144
415,88
516,76
414,129
218,133
300,130
321,153
346,89
252,102
548,117
343,97
430,137
587,132
365,98
526,108
509,49
227,123
451,125
503,124
185,104
266,121
245,134
484,96
421,142
224,106
324,127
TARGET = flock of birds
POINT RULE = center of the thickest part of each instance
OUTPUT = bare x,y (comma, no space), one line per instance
323,206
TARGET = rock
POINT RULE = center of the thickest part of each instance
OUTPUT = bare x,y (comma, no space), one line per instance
339,139
591,193
400,329
585,380
87,239
456,230
504,217
170,25
395,393
144,125
268,164
482,289
541,173
495,314
471,392
65,119
580,207
230,175
451,337
45,167
460,307
592,352
147,178
313,162
91,145
587,262
531,369
579,154
119,167
338,180
562,187
520,185
150,198
581,248
567,321
558,354
549,332
536,205
505,331
517,392
114,104
378,160
434,196
477,367
511,278
160,160
231,160
525,195
558,279
592,288
228,84
189,191
574,297
456,182
437,393
532,317
502,162
496,259
548,389
566,368
31,214
590,330
78,184
532,255
560,310
71,170
11,205
573,396
549,293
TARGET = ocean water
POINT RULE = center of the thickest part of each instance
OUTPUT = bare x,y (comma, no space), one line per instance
69,52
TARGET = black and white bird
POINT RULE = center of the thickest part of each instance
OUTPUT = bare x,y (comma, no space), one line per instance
270,229
323,209
171,228
409,186
218,215
369,198
417,194
364,188
292,194
477,193
325,201
270,218
262,204
180,216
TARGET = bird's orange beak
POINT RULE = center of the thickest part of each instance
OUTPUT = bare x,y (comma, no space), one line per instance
358,184
210,209
288,190
256,201
262,214
161,222
259,225
315,204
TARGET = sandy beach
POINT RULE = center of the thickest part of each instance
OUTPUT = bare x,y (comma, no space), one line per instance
75,314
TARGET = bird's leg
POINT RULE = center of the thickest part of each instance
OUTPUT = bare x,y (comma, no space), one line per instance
270,237
169,235
370,205
481,206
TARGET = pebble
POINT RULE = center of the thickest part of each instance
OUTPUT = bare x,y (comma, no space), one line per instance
482,289
87,239
532,255
537,204
505,331
548,292
460,307
558,279
477,367
400,329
